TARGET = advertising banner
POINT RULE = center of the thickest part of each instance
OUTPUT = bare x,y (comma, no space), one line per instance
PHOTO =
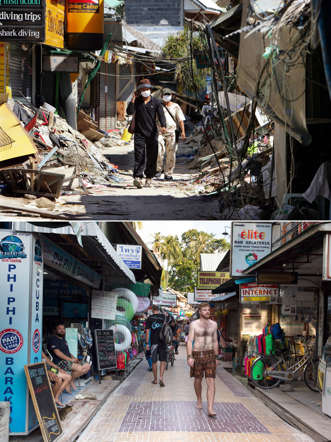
212,280
252,292
203,295
250,242
130,254
15,279
4,67
103,305
32,21
165,298
54,26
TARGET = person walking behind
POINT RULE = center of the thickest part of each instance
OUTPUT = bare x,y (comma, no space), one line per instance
145,109
168,141
154,343
202,358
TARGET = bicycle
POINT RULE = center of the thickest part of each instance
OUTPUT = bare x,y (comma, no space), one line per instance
268,371
170,356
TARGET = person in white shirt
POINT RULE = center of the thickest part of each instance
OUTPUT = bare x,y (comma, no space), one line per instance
167,140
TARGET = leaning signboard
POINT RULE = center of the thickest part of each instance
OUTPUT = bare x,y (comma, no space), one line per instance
250,242
105,350
43,401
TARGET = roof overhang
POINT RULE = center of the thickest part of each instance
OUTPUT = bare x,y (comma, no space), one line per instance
97,252
227,286
224,297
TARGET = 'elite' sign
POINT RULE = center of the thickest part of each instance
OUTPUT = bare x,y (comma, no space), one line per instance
250,242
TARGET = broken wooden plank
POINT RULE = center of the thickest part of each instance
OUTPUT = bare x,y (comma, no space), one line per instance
15,206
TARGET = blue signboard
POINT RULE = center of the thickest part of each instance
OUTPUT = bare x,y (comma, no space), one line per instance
15,280
130,254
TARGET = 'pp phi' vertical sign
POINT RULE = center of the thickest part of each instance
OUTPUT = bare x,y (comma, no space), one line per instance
15,280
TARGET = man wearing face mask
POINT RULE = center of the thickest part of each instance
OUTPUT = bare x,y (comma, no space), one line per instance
146,109
168,140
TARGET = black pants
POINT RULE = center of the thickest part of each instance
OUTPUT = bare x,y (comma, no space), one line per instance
145,152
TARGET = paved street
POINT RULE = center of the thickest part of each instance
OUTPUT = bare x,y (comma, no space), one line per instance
139,411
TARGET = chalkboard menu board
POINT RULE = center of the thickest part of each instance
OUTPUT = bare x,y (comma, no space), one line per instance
43,401
105,349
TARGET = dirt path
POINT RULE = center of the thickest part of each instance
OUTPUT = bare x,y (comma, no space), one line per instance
178,199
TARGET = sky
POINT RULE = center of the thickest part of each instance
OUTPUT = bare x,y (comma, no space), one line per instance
149,228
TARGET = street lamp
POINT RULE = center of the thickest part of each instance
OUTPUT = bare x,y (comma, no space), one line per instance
225,233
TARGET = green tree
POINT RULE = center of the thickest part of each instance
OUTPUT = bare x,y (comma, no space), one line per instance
178,47
183,255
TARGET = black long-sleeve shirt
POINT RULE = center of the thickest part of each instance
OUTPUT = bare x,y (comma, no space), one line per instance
145,115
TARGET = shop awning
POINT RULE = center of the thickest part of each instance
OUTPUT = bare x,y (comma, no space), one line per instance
97,240
227,286
301,245
223,297
97,252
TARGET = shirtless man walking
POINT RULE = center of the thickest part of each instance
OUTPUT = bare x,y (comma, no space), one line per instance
202,356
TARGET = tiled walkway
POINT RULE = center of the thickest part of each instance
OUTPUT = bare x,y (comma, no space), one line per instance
142,412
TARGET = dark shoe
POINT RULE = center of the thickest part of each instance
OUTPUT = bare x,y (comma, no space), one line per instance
168,178
162,384
138,182
158,174
154,382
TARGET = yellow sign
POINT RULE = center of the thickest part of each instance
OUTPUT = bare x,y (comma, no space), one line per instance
4,67
211,280
54,26
15,141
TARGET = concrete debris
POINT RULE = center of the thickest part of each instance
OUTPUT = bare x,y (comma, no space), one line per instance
60,150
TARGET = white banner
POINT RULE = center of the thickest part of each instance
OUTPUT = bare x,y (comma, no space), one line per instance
203,295
165,298
250,242
103,305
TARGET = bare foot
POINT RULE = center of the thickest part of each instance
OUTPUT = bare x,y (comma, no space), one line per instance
199,405
211,413
59,403
73,386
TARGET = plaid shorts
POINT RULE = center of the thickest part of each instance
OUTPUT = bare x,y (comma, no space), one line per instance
65,365
204,364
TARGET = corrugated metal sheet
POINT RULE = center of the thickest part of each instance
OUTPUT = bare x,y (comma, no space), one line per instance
210,261
90,229
20,66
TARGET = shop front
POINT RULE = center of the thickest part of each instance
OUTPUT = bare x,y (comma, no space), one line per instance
299,265
47,274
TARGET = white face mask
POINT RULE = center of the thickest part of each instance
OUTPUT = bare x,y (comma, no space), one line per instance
167,98
146,94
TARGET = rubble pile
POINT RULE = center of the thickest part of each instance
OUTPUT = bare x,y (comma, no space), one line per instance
61,150
241,183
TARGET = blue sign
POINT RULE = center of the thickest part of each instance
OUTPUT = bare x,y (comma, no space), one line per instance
15,281
130,254
12,246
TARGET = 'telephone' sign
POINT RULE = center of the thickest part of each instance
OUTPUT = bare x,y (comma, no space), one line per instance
250,242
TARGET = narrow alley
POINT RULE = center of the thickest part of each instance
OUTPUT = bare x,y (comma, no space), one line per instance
141,411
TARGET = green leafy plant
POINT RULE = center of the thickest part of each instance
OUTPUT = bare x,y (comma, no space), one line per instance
178,47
